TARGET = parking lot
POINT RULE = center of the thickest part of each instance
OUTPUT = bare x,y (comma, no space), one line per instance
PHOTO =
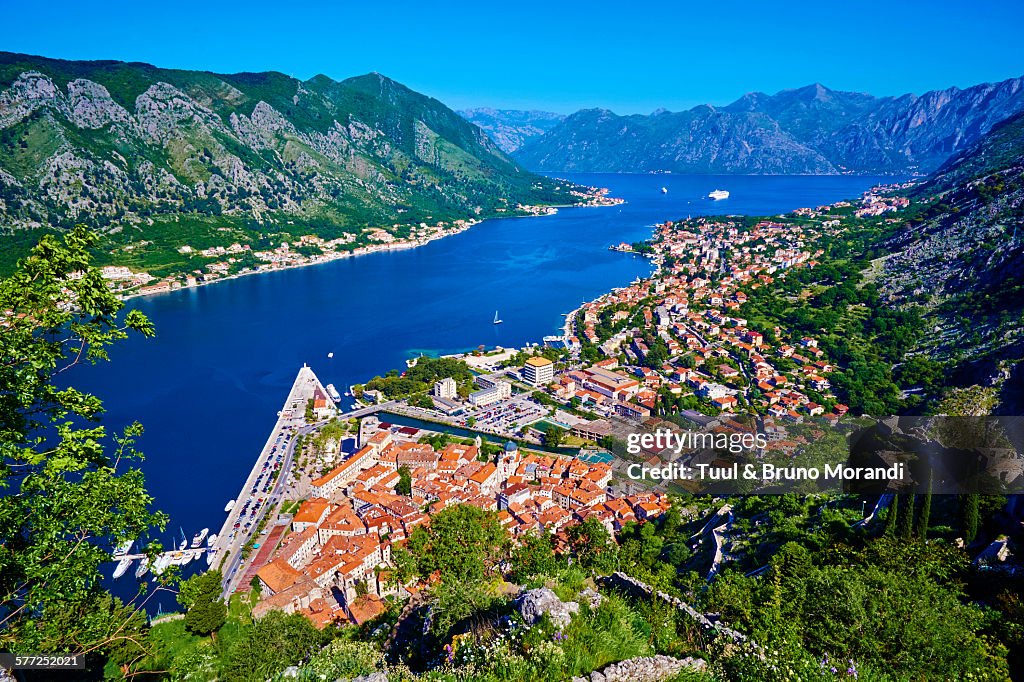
508,415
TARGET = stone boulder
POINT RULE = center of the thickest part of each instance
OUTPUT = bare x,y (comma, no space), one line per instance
643,669
533,604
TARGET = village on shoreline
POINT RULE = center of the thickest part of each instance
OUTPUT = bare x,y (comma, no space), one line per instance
240,260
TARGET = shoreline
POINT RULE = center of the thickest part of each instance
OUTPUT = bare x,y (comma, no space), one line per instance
399,245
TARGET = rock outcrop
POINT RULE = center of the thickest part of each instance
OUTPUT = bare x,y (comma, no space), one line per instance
534,604
644,669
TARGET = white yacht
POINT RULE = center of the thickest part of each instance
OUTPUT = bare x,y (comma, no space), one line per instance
122,567
198,538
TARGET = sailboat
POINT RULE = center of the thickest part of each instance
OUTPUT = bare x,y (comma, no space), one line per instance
497,320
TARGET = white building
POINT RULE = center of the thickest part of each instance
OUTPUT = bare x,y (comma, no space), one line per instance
485,396
539,371
446,388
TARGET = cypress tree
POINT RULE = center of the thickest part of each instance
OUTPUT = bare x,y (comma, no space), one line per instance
924,516
906,520
890,515
971,517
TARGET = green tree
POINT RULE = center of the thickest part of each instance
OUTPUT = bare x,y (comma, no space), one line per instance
554,436
592,545
905,522
404,485
205,611
68,493
535,555
924,515
463,542
273,643
891,512
971,516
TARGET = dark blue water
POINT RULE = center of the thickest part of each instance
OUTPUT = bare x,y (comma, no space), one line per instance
208,388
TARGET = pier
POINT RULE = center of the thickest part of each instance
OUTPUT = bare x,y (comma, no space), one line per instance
255,500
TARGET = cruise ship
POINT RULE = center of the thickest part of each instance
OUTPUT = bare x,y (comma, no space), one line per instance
719,194
333,392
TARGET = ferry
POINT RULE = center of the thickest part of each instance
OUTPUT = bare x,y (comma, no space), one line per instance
719,194
333,392
229,506
122,567
198,538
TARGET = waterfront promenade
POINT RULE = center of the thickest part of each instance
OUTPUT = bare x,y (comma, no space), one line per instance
262,490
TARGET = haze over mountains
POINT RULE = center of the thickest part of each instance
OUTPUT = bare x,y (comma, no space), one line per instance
804,131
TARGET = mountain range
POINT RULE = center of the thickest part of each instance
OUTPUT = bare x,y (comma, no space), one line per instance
809,130
119,146
510,128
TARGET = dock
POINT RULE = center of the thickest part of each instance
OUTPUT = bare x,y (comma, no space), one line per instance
279,448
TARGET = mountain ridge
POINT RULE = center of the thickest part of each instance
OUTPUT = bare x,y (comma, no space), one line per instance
119,145
813,128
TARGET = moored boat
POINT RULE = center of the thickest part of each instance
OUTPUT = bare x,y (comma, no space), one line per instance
333,392
198,538
122,567
123,548
229,506
143,567
161,563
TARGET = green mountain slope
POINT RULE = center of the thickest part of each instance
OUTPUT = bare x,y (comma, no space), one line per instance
124,146
962,257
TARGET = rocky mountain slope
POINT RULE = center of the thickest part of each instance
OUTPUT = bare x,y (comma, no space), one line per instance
117,145
807,130
510,128
962,257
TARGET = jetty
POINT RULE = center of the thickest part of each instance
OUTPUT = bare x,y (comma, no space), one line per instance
262,490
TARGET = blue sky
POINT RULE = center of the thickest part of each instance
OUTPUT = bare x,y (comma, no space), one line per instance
559,56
